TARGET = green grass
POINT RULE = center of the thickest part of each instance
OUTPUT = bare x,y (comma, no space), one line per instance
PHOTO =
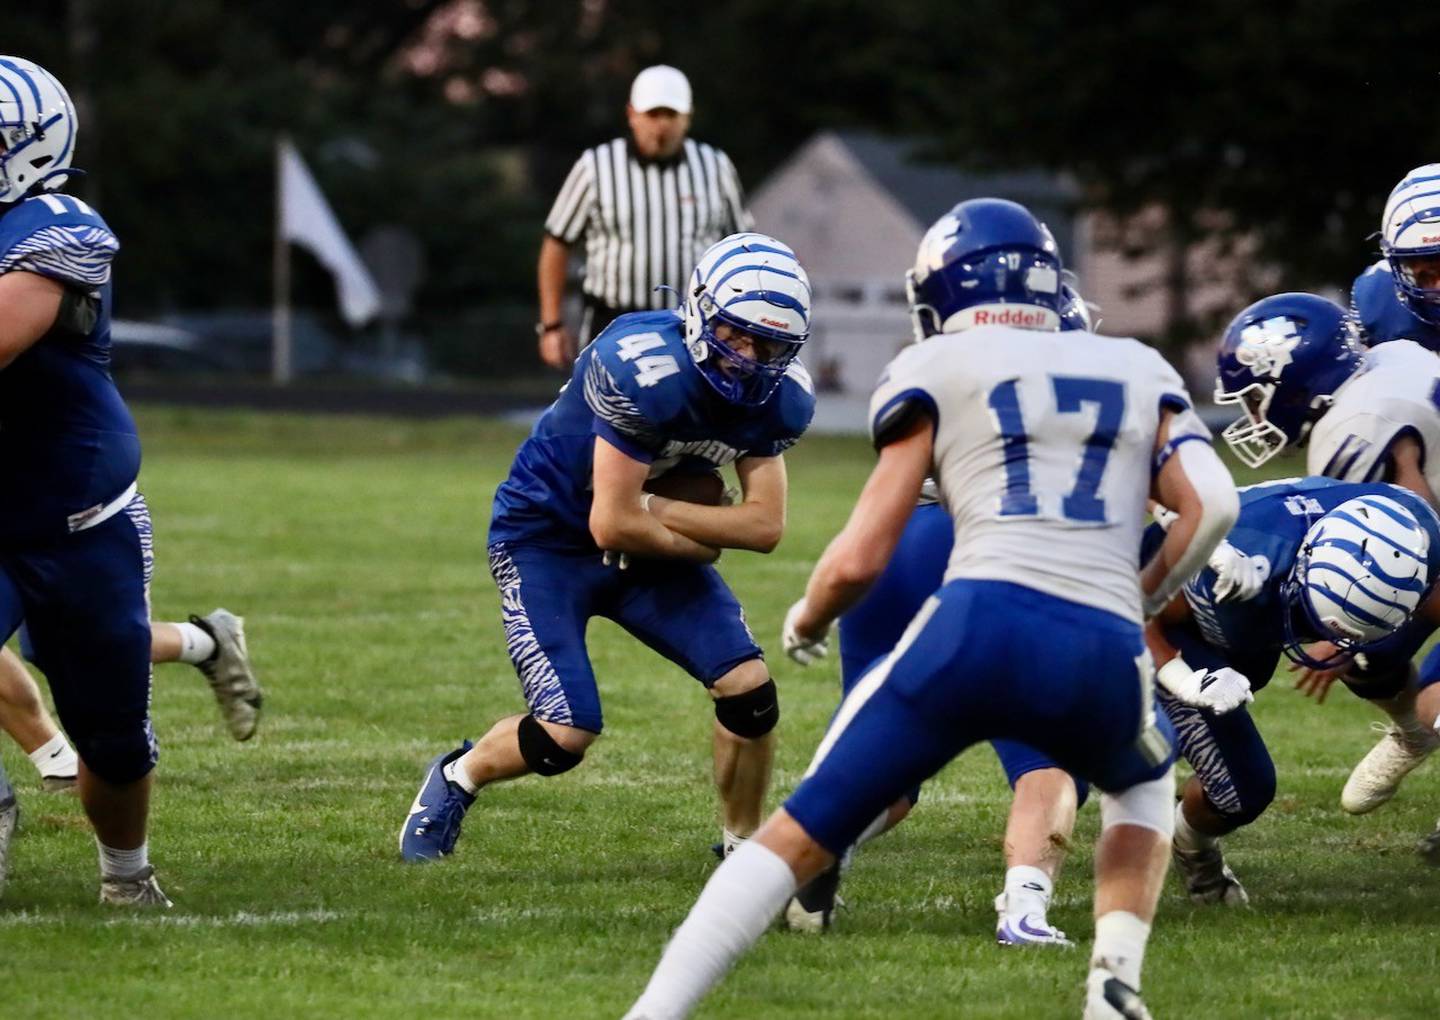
355,550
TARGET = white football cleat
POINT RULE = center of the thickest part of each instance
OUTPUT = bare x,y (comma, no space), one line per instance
1026,928
1378,776
138,890
231,679
1109,998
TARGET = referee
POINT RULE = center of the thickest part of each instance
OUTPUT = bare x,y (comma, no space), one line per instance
647,206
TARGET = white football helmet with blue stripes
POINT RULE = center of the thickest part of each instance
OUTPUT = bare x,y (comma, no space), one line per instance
37,129
753,283
1362,571
1410,231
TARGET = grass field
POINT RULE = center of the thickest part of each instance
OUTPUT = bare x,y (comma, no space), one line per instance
354,548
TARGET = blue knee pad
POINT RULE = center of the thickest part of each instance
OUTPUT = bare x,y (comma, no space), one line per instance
119,752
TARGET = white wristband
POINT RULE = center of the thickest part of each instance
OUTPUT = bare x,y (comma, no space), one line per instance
1177,677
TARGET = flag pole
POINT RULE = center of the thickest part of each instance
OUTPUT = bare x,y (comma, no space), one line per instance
280,362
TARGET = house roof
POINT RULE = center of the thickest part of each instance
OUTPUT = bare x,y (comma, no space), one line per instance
928,189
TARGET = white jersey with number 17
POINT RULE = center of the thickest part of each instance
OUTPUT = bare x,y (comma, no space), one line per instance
1044,452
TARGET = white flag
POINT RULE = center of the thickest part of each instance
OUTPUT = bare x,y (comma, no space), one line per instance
307,220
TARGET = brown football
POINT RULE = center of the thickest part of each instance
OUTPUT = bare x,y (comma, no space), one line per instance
707,489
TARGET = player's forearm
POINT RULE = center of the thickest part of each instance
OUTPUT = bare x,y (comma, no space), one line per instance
840,580
750,525
550,277
640,534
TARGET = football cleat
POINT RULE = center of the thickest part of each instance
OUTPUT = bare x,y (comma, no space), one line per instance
139,890
9,818
1429,847
1378,776
1026,927
229,674
812,908
1208,879
1109,998
433,824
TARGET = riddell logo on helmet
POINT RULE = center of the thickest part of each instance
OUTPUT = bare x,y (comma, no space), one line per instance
1430,239
774,322
1031,318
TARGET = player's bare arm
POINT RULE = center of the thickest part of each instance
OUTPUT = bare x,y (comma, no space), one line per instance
755,523
618,519
31,303
857,555
1194,484
1407,465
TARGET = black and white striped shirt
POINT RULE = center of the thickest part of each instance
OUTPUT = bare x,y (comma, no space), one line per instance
645,222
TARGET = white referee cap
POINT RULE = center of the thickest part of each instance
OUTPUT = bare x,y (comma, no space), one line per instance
661,86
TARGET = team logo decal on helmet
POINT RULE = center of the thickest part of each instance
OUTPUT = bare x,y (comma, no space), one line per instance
1266,347
985,262
37,129
1362,571
1410,237
1281,361
754,285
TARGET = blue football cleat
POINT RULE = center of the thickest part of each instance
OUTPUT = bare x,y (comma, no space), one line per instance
433,824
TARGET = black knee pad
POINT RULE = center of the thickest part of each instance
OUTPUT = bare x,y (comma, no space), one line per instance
117,754
540,751
752,714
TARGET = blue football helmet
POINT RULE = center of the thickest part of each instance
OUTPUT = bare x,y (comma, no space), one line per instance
1074,312
755,285
1410,232
1361,573
987,261
37,129
1281,360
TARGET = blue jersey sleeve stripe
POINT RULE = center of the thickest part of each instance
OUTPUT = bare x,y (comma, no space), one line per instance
80,254
622,442
1168,450
898,411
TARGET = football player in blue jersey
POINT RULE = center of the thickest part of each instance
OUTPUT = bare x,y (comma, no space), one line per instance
1044,445
1042,812
1331,574
1398,298
75,539
575,534
1292,364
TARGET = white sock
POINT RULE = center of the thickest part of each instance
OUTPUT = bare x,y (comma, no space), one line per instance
195,645
1188,838
56,757
455,772
1027,890
122,863
1120,939
731,842
735,908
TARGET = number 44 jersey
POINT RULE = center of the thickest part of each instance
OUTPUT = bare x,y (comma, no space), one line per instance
637,388
1044,452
